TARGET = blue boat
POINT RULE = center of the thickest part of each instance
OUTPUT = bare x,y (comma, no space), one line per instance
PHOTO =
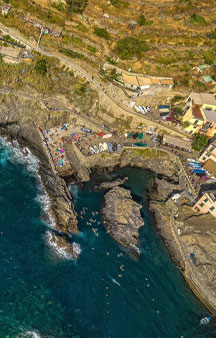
197,171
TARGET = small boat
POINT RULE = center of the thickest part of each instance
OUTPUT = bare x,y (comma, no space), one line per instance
205,320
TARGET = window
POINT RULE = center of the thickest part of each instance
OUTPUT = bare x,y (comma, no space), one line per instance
212,148
204,158
206,200
201,205
212,208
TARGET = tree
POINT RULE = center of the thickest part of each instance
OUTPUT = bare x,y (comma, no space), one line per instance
178,110
129,47
200,141
186,124
76,6
41,66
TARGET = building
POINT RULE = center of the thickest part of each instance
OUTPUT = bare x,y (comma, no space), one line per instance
199,109
209,153
177,142
210,167
140,82
26,56
206,204
5,9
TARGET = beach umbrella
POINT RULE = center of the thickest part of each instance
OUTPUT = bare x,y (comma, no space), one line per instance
135,135
140,136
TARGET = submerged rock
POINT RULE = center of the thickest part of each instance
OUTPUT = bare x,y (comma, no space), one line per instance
111,184
122,218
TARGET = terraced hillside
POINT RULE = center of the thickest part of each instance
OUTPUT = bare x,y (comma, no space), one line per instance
154,37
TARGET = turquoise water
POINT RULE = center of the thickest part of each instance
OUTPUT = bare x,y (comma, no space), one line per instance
50,296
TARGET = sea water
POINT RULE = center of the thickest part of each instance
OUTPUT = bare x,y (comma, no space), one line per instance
104,293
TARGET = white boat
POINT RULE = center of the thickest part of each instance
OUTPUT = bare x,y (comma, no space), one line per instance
107,136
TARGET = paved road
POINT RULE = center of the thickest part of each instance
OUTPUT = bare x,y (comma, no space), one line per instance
14,34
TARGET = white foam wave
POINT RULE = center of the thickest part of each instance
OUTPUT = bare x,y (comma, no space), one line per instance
61,251
30,334
19,155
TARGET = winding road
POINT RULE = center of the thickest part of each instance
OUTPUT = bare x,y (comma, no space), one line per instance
16,36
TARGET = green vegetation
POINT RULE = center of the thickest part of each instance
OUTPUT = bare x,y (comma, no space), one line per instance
195,18
200,141
6,1
58,5
92,49
119,3
177,98
102,33
178,110
70,53
186,124
129,47
76,6
110,60
80,88
143,22
212,35
41,66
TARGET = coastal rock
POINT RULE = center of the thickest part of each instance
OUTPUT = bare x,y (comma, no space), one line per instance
111,184
165,188
191,232
122,217
64,246
61,208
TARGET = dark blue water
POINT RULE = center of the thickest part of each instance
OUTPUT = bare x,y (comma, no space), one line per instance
44,293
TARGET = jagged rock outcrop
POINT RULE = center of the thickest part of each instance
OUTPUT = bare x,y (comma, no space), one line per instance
111,184
122,217
64,246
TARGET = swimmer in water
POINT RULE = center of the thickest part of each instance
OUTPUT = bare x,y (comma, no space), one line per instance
122,267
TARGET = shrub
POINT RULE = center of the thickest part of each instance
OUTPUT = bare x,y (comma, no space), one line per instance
92,49
102,33
129,47
70,53
200,141
142,20
41,66
119,3
198,19
59,6
212,35
110,60
76,6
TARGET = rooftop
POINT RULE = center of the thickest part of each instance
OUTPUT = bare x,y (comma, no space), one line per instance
197,112
177,142
203,98
210,166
